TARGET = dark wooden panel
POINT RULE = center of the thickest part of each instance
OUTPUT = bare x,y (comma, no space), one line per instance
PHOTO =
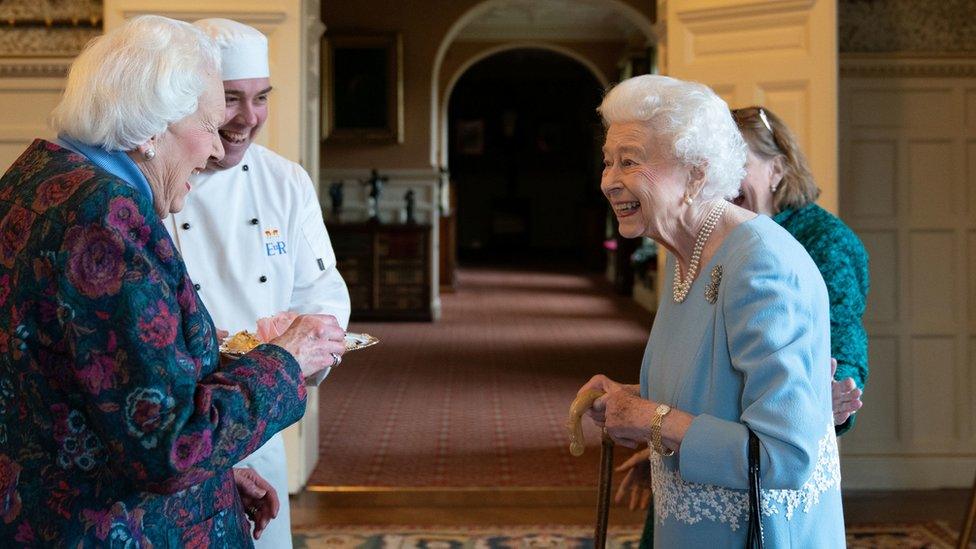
387,269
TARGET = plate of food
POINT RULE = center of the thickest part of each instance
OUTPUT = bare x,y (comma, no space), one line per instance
239,344
244,341
355,341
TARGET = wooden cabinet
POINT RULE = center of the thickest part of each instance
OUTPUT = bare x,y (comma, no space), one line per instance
387,269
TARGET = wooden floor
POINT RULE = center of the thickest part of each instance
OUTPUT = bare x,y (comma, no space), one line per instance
573,507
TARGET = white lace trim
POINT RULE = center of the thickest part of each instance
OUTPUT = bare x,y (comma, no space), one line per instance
691,503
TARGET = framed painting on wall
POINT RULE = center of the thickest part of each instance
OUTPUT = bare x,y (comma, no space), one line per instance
470,137
362,88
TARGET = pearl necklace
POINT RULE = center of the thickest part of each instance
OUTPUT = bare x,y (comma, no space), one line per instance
682,287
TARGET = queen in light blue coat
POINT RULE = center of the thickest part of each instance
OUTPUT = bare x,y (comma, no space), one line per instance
741,340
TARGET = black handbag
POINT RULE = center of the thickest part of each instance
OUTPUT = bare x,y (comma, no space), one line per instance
754,536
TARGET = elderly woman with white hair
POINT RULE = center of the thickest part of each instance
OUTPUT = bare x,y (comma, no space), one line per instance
740,346
119,423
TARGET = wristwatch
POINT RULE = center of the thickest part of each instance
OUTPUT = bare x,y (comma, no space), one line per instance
656,444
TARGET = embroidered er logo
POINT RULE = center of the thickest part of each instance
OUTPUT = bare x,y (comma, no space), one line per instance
273,243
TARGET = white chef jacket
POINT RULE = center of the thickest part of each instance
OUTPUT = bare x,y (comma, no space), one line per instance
254,244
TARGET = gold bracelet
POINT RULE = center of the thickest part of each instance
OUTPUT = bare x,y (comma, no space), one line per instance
656,444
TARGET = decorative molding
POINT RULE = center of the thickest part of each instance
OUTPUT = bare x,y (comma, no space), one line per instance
50,12
888,66
563,20
708,11
44,41
253,18
34,69
906,25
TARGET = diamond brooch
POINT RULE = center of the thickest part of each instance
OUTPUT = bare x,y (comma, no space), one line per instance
711,290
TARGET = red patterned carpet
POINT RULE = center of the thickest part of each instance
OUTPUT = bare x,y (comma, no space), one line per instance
479,398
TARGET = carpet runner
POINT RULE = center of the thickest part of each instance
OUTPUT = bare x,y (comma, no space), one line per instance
934,535
479,398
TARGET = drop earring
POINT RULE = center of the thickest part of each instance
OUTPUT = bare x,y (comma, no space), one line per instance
688,200
149,154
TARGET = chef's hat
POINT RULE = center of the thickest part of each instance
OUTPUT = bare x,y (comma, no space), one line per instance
243,49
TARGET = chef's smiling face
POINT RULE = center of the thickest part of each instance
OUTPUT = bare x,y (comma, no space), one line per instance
247,110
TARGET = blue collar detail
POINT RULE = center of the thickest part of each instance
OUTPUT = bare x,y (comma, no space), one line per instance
116,163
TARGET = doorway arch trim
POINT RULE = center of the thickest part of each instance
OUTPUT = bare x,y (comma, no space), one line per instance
635,17
480,56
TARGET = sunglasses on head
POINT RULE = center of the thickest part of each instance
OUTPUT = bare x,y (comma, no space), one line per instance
762,116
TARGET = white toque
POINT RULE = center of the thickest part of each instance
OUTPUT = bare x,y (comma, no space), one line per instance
243,49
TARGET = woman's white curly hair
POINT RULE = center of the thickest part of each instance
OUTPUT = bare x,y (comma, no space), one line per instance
133,82
692,118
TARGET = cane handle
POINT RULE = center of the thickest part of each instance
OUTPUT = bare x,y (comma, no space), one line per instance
575,424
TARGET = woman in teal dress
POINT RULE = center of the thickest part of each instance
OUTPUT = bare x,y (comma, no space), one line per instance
779,184
741,340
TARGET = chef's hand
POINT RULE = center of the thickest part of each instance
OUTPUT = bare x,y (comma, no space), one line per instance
258,496
316,341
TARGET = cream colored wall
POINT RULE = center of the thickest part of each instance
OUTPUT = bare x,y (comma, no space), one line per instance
780,54
908,182
26,103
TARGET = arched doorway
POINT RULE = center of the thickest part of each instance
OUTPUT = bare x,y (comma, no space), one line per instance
598,35
523,146
512,21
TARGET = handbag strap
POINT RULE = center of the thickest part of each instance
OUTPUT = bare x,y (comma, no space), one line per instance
754,539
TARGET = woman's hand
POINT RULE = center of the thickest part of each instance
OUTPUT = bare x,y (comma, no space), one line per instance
626,416
637,483
846,396
601,382
259,498
316,341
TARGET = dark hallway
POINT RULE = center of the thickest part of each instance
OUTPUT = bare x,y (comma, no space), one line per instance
525,161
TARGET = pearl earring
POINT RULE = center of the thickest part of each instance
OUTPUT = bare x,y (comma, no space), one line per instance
772,188
688,200
149,154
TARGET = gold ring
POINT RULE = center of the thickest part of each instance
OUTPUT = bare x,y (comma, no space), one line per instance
252,510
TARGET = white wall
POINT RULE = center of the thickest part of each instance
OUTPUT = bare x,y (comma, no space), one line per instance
29,90
908,188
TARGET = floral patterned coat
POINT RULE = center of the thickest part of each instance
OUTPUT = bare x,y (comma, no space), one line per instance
118,424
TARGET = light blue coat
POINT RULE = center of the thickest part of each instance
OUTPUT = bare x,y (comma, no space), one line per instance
759,356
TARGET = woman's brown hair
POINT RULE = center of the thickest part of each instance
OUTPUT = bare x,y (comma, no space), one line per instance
768,137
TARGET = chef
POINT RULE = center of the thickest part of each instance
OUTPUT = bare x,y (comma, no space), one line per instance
252,233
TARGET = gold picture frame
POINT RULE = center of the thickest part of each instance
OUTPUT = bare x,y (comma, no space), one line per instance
362,88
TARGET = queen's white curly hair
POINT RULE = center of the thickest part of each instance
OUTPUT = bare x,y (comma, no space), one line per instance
692,118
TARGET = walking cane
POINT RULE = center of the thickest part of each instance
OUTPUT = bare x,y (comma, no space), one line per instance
967,526
575,427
